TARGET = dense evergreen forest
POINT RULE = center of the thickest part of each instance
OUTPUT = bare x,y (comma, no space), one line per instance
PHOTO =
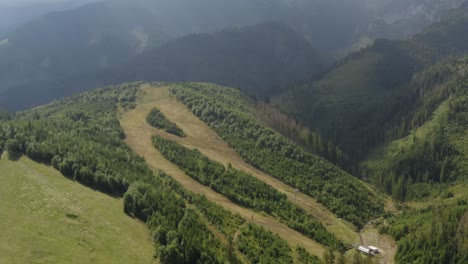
81,137
230,114
311,141
158,120
436,234
245,190
434,154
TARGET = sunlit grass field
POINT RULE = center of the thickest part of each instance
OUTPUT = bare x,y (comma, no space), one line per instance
46,218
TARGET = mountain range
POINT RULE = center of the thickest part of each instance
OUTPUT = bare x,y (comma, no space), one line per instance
107,35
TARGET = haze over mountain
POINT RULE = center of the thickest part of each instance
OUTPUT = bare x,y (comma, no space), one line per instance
104,35
259,60
16,12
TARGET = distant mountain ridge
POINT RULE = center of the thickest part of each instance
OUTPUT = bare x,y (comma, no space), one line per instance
106,35
258,59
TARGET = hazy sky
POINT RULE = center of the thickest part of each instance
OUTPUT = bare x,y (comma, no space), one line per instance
19,3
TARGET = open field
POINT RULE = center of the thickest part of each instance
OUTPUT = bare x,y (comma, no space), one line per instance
46,218
139,135
200,136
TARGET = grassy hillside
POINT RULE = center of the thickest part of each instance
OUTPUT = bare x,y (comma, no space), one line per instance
47,218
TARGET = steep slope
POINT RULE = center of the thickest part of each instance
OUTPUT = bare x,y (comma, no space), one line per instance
428,168
47,218
352,102
435,154
230,114
435,233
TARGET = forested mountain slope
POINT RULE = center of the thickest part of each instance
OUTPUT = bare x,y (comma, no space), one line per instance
435,153
352,102
428,167
258,59
230,114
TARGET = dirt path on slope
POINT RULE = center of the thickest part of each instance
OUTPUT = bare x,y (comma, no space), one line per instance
139,135
200,136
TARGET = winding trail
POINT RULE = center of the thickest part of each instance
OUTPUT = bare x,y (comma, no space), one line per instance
138,138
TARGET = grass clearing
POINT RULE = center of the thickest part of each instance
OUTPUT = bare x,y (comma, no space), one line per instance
139,135
370,237
46,218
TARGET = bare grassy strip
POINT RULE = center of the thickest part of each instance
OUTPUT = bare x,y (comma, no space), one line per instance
200,136
139,135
